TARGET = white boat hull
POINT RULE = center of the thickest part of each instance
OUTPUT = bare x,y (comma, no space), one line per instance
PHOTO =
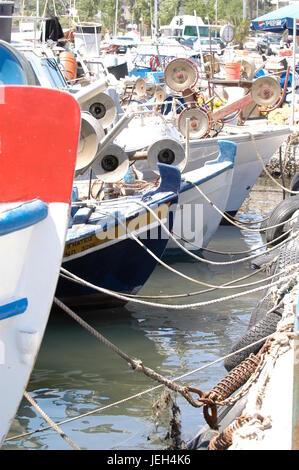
247,165
30,263
38,155
195,219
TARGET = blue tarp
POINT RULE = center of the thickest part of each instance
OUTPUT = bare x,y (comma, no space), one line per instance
278,20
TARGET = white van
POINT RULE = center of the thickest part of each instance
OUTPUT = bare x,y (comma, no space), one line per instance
185,26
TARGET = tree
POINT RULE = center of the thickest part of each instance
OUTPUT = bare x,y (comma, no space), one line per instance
87,9
202,8
241,28
167,10
228,10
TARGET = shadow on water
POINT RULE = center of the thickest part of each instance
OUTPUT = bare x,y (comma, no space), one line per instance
75,374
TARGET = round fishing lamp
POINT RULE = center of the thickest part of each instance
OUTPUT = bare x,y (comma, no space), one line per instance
266,91
111,165
181,74
167,151
200,122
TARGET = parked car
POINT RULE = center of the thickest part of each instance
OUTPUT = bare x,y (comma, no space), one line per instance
217,45
251,44
123,43
269,44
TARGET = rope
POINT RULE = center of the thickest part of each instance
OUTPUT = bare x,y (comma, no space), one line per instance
190,253
50,422
252,230
266,170
125,298
191,294
137,395
248,222
135,364
232,253
227,285
193,255
123,200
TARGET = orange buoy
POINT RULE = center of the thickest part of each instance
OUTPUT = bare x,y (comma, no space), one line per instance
285,52
69,65
232,70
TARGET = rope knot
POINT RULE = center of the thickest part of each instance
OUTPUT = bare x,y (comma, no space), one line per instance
136,365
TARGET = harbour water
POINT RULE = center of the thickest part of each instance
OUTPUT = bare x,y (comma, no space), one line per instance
74,374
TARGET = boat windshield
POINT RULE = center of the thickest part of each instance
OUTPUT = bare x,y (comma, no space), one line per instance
192,31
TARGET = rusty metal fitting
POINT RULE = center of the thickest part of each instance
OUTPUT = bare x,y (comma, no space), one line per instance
235,379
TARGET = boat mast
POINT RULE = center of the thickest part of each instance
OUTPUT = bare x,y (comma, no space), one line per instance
156,18
244,9
116,15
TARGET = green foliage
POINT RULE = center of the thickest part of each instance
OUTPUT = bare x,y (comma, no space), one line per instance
241,28
167,10
87,9
228,10
141,9
202,8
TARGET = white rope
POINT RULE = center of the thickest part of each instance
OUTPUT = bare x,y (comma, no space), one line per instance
251,230
50,422
140,394
191,294
125,298
190,253
232,253
227,285
177,272
198,258
266,170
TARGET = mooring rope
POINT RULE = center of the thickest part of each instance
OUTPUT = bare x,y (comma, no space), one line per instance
135,364
177,272
239,225
198,258
124,297
248,222
266,170
51,423
251,230
227,285
232,253
191,294
137,395
184,249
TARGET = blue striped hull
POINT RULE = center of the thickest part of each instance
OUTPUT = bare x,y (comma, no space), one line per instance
123,267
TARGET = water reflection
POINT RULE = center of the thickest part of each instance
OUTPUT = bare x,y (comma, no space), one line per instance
75,374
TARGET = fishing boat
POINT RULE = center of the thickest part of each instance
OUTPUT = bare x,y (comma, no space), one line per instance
38,154
255,136
257,141
101,249
196,219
